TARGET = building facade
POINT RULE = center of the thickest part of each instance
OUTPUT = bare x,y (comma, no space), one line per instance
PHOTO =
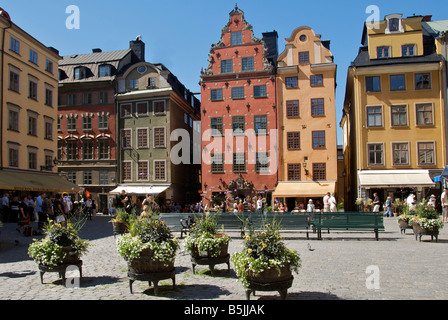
29,113
306,84
239,120
394,121
86,126
157,120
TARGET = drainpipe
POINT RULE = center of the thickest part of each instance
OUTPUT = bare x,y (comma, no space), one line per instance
2,91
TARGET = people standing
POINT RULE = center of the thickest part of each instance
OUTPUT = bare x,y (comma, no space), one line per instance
67,204
39,210
376,203
14,209
332,201
89,208
327,202
444,201
310,206
259,205
4,204
388,207
24,218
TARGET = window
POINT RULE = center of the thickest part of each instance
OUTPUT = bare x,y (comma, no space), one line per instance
160,170
59,124
373,84
152,82
60,149
397,82
14,81
292,82
143,171
216,126
247,64
239,162
319,171
71,176
87,98
394,24
103,122
374,116
13,119
262,162
126,138
142,138
260,91
407,50
238,124
422,81
49,129
317,107
15,45
126,110
236,38
217,163
126,170
33,56
261,124
304,57
32,160
87,150
294,172
32,90
133,84
86,124
159,107
216,94
49,65
80,73
316,80
103,97
142,109
87,178
72,150
159,137
71,99
375,154
292,109
104,177
424,114
293,140
400,153
238,93
399,116
71,124
318,139
426,153
105,71
226,66
13,157
32,125
382,52
103,149
49,96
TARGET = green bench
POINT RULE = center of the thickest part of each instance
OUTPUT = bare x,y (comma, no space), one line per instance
348,221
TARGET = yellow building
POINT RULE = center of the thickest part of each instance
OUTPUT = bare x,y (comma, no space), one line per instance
307,120
29,112
394,119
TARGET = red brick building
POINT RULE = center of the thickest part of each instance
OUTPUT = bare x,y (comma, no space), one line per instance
239,122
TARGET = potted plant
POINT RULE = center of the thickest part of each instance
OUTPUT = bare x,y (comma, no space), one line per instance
360,203
405,219
121,221
399,207
266,263
206,244
426,221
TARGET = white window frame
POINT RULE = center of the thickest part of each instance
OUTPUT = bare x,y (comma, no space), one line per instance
121,139
147,137
166,173
154,138
147,172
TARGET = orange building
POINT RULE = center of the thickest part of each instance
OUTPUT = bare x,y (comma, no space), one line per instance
306,85
239,115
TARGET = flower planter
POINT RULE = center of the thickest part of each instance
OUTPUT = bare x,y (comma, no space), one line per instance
208,254
119,228
207,258
61,269
419,232
146,263
403,226
270,280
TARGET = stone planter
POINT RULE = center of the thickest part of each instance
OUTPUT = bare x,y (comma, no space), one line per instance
419,232
271,280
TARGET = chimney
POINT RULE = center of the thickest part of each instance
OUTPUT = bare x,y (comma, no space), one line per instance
138,47
97,50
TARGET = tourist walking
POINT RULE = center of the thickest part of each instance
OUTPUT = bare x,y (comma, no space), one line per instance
388,207
259,205
376,203
24,218
444,201
39,211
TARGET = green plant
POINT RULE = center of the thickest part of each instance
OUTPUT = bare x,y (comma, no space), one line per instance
49,251
148,233
427,217
263,250
204,236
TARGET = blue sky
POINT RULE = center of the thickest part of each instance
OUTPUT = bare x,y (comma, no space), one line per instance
179,33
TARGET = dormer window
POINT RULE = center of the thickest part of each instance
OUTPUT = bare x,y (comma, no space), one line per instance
105,71
80,73
394,23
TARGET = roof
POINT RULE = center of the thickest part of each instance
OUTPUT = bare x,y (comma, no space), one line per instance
436,28
97,57
363,60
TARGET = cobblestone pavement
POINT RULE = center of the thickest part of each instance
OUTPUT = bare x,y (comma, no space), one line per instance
335,268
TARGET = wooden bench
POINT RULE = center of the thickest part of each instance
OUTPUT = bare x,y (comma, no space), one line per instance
348,221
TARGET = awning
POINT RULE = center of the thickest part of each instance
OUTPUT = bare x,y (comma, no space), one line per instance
35,182
395,178
140,190
304,189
